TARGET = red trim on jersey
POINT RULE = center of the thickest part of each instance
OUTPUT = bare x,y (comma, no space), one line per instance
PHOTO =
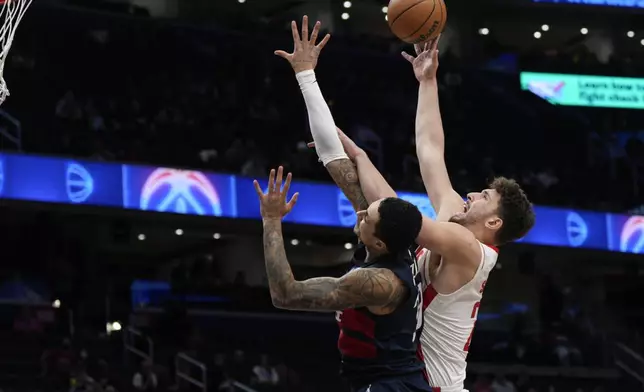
357,321
356,348
494,248
428,296
419,251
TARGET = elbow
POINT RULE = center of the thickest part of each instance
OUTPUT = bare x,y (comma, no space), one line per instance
281,298
279,302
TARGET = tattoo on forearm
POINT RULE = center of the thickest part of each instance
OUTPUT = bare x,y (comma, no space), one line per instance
278,271
362,287
367,287
345,175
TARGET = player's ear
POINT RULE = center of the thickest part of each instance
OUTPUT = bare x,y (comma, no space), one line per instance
494,223
381,245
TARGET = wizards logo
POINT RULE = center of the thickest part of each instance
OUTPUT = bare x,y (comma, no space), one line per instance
181,192
346,213
79,184
632,236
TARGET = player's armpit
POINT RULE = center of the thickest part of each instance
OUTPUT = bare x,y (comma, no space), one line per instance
367,287
451,240
345,175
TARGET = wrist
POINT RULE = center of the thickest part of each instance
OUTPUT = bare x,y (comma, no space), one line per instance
360,154
430,82
271,220
305,76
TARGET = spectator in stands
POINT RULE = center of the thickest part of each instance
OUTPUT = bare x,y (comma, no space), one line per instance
265,375
27,322
502,384
58,363
482,384
103,374
289,380
80,381
523,383
145,379
218,371
238,369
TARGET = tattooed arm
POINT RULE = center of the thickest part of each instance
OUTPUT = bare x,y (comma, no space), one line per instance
370,287
345,175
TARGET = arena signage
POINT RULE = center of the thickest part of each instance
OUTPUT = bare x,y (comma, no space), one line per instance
600,3
586,90
167,190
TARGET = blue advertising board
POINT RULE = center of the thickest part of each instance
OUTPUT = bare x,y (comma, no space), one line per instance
598,3
167,190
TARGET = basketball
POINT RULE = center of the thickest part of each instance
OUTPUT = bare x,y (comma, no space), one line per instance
416,21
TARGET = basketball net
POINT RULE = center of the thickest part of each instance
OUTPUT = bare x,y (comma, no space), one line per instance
10,16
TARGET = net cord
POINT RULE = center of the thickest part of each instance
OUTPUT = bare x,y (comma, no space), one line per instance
10,15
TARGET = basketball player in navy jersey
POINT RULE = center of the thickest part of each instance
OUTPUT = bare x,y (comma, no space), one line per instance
378,303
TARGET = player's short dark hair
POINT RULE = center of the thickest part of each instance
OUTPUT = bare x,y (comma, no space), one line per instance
399,224
514,209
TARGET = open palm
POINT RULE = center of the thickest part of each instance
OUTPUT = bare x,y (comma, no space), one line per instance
306,50
425,63
273,204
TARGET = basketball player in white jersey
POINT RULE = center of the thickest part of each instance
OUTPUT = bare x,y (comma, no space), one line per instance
455,278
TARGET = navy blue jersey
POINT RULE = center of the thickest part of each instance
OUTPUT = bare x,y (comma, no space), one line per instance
383,346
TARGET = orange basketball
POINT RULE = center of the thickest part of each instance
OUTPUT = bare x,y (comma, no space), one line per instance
415,21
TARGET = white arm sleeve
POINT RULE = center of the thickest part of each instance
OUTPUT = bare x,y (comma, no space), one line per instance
327,143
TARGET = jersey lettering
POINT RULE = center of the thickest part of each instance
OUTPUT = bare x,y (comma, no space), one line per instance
475,313
418,304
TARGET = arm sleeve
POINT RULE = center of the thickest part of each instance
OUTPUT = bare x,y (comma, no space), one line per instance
327,143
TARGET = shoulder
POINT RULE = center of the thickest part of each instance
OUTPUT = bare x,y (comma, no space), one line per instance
382,284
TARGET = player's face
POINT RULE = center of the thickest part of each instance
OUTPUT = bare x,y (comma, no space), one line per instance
367,221
480,208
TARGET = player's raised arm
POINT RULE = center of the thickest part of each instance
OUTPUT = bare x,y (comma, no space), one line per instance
430,139
373,184
362,287
328,146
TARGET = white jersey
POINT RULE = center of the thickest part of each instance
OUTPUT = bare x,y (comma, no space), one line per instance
449,323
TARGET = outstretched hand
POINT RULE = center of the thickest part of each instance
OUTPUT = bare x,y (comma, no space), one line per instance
273,203
425,63
305,51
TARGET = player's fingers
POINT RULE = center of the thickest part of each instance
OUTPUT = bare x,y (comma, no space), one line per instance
314,34
322,43
271,181
305,28
291,203
408,57
435,57
310,144
282,54
287,186
278,181
418,49
296,34
258,189
436,41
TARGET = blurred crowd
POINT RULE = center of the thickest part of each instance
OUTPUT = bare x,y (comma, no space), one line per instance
152,92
